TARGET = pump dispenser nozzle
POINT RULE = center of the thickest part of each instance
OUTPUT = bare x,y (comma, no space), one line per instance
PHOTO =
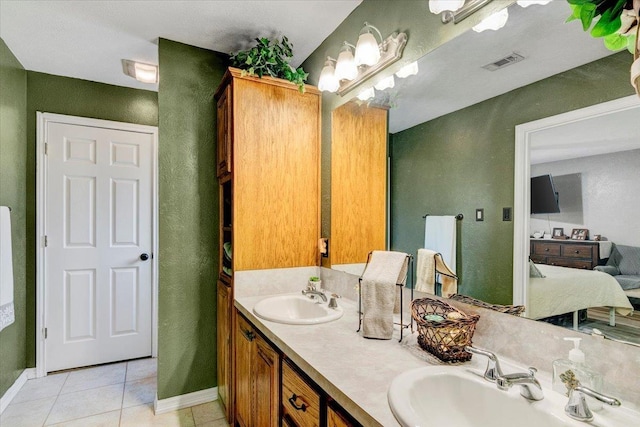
575,355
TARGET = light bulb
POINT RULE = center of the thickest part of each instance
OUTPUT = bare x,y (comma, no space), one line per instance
410,69
328,81
439,6
526,3
346,68
367,50
493,22
385,83
366,94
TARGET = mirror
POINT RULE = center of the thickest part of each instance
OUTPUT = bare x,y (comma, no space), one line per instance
452,131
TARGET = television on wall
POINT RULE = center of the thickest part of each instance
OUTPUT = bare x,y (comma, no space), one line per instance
544,197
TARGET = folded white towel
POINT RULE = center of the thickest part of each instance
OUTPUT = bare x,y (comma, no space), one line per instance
384,270
440,236
7,315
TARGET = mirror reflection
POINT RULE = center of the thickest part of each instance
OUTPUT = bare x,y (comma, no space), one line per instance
451,142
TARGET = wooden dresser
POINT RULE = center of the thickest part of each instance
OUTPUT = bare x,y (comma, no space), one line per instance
582,254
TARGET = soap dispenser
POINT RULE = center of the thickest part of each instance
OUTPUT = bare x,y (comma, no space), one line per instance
568,373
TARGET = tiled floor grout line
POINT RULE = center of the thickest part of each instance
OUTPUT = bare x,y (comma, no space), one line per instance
54,402
124,388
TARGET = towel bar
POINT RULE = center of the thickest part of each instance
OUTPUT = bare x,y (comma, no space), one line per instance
459,217
403,326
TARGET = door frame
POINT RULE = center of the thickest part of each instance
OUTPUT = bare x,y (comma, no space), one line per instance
522,177
43,119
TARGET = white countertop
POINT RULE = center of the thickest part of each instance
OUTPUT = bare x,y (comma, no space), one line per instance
353,370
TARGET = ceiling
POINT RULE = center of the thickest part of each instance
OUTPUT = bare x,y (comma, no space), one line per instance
89,39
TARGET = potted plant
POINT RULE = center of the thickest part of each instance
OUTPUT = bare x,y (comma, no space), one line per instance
615,20
270,58
315,282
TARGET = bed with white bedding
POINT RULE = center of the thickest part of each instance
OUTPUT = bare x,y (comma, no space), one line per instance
566,290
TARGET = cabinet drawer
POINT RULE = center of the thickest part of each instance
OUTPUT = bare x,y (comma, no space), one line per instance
540,248
577,251
538,259
300,401
570,262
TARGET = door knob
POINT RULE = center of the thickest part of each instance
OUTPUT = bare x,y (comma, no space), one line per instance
144,257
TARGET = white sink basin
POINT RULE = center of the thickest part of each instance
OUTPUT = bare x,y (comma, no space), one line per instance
296,310
454,396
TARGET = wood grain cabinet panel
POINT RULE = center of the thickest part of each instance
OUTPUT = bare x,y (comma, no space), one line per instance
358,182
224,347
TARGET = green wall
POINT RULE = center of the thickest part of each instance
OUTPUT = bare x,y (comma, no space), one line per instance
13,159
465,160
188,225
65,95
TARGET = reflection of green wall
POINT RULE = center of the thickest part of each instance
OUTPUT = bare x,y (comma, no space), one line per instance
188,218
13,159
64,95
465,160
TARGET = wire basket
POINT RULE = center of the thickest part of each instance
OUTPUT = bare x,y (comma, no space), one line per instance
444,339
516,310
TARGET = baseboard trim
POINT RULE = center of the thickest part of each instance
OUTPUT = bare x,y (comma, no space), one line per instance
185,400
11,393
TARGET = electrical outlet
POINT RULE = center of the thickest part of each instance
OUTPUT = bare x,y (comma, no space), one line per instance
479,214
506,214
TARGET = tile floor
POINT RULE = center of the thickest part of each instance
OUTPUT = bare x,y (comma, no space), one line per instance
118,394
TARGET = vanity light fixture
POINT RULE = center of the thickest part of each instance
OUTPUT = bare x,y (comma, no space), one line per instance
461,13
493,22
145,73
367,93
386,83
370,58
411,69
439,6
328,80
367,49
346,68
527,3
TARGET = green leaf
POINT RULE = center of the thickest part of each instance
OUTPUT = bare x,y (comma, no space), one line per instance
631,44
587,13
615,41
579,2
607,24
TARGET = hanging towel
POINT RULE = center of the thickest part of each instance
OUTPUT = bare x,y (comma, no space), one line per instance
384,270
429,263
7,315
440,236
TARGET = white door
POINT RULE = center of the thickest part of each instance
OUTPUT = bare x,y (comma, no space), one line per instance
98,223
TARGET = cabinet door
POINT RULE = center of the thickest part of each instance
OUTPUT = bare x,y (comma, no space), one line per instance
224,346
266,375
335,419
224,132
243,356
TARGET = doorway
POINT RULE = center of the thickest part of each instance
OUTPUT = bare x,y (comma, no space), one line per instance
97,236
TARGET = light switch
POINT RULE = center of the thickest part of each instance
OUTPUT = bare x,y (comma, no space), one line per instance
479,214
506,214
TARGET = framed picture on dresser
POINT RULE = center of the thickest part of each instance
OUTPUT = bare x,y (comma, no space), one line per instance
557,233
579,234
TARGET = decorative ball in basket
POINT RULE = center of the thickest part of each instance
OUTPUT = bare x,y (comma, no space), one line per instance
443,330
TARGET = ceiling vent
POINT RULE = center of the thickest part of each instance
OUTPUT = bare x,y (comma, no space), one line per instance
504,62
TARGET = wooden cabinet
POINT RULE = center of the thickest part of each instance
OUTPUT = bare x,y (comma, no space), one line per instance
358,182
574,254
223,338
338,418
268,168
300,401
257,378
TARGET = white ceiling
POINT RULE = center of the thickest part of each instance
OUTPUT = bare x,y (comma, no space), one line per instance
88,39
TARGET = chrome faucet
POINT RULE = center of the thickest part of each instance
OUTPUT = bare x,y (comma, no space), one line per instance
313,293
530,388
577,407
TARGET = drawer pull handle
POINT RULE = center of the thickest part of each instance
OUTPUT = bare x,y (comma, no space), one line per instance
546,249
293,399
577,252
249,335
